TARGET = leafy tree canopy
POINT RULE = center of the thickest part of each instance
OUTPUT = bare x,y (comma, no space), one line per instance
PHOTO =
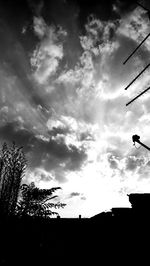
36,202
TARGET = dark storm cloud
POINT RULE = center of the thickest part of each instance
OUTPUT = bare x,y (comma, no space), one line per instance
74,194
125,6
56,156
77,194
132,163
12,132
36,6
15,62
72,16
102,9
49,154
83,198
42,176
86,136
113,162
17,15
59,131
65,14
148,164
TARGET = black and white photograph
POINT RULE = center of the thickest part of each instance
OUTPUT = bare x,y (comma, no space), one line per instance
74,131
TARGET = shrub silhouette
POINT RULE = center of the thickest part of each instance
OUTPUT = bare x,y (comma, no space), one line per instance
36,202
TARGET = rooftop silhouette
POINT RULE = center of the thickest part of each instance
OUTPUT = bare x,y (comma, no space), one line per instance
59,238
140,205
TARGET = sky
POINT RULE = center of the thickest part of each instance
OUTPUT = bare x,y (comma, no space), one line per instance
62,98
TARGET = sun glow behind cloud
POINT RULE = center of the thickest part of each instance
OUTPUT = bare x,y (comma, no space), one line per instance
73,120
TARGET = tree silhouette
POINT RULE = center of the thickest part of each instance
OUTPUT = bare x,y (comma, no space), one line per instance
17,199
12,168
36,202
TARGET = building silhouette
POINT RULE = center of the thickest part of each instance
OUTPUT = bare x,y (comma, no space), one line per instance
140,206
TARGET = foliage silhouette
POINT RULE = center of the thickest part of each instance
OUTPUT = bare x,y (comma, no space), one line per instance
36,202
12,169
17,199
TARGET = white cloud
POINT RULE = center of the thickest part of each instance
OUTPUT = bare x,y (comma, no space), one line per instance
87,104
116,122
71,131
39,26
135,26
95,103
41,178
98,37
47,55
96,43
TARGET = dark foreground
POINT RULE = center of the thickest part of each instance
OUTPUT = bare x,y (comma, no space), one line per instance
106,239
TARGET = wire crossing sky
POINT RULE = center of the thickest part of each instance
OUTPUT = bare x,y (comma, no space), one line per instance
148,13
62,97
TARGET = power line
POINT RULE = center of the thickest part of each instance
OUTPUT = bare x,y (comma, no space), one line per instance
136,49
144,38
142,6
137,77
137,96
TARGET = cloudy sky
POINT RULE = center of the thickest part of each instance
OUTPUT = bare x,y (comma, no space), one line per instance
62,97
